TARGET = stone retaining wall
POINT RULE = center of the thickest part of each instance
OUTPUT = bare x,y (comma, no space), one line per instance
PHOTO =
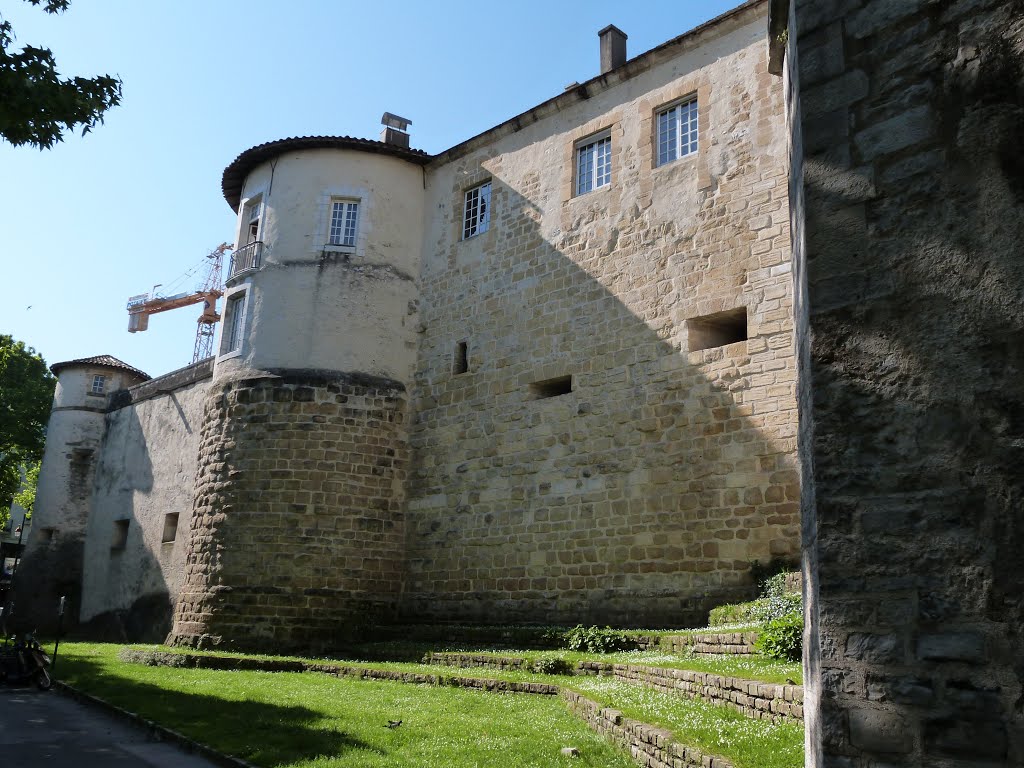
757,700
650,746
725,642
470,660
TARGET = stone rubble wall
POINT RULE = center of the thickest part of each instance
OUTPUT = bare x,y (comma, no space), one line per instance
297,531
907,153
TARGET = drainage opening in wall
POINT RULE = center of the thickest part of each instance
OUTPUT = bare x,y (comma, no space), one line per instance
170,527
717,330
561,385
120,535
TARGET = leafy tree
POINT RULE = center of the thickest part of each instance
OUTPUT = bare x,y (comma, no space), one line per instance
37,105
26,497
26,393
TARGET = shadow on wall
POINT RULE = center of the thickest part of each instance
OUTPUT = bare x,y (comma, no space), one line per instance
573,459
124,595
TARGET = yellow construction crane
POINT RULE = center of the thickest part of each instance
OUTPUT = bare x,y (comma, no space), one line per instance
145,304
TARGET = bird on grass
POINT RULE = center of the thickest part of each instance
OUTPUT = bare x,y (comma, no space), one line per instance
393,723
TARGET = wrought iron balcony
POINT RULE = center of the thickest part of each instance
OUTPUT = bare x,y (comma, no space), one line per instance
246,258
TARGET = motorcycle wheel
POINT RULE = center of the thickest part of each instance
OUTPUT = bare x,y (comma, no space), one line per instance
43,680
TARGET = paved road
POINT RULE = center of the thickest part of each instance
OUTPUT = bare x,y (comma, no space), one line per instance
48,730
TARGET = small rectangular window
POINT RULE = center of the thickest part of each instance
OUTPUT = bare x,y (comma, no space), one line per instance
677,131
561,385
717,330
120,536
344,220
98,384
234,314
461,364
476,216
594,164
170,527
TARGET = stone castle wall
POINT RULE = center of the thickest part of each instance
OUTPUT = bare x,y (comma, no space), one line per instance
599,460
297,530
145,472
642,496
909,139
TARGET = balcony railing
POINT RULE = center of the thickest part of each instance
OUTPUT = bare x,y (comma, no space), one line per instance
246,258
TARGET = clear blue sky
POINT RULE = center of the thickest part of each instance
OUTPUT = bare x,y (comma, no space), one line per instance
137,201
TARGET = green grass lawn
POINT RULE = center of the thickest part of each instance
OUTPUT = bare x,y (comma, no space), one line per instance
300,720
296,719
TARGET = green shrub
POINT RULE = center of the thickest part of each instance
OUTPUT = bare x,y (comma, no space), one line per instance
774,586
732,613
775,607
782,637
595,639
552,667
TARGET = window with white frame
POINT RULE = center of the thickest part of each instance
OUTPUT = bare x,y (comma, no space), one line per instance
344,223
234,314
99,384
476,214
252,221
594,163
677,130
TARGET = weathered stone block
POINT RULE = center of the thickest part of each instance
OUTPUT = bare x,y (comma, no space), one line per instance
952,646
879,731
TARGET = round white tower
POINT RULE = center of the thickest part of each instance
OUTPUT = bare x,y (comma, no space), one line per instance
52,562
297,530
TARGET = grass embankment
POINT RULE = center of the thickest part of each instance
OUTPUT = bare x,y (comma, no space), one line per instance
289,719
715,730
727,665
309,720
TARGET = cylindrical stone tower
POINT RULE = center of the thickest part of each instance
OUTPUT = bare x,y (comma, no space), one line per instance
52,562
297,532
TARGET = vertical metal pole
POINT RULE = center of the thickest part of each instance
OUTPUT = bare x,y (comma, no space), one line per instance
60,627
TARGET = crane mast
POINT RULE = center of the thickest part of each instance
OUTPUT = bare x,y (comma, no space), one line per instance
140,307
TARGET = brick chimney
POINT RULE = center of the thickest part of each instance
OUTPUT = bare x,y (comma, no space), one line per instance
613,48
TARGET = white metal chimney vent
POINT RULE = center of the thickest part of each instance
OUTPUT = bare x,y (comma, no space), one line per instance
395,130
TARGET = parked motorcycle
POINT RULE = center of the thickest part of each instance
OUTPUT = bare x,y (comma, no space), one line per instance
23,661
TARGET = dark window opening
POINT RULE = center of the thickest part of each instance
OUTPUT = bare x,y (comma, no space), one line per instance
717,330
461,358
561,385
120,537
170,528
47,534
